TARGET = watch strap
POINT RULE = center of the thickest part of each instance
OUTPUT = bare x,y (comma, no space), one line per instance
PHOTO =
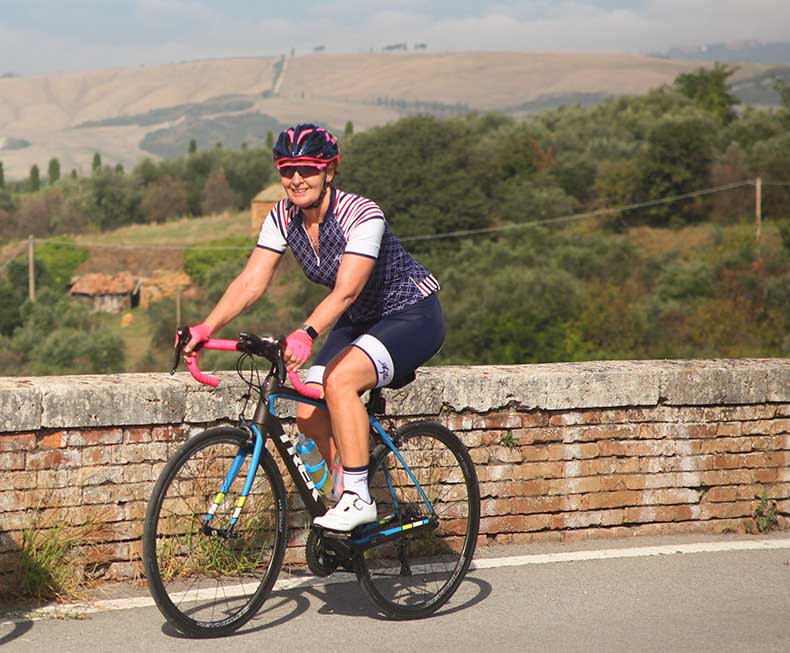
310,331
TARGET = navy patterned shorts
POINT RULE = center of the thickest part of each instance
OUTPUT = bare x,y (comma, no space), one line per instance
396,344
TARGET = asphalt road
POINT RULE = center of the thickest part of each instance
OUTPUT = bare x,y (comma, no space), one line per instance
611,596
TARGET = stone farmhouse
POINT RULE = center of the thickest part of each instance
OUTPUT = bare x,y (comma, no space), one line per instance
116,293
262,203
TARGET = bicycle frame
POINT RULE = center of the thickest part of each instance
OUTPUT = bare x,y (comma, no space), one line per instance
266,423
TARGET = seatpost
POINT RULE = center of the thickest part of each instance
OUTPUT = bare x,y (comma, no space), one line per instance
376,404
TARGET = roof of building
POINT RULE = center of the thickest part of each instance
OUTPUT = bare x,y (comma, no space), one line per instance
96,283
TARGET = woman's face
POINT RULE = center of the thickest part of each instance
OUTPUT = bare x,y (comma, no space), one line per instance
303,184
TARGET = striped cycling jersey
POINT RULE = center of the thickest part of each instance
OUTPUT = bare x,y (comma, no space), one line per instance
352,225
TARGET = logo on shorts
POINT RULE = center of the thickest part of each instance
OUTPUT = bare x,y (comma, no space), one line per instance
384,369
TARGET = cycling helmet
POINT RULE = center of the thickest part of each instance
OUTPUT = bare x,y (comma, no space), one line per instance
305,144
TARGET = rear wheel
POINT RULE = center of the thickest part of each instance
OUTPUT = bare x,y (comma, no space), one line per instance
209,582
412,575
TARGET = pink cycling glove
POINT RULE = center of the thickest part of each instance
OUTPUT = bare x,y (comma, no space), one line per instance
299,345
199,333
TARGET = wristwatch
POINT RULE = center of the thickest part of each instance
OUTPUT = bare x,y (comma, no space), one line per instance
310,331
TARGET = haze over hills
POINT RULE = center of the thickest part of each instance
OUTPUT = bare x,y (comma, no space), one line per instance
749,51
126,114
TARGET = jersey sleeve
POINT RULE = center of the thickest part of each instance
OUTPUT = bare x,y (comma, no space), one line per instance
365,229
272,235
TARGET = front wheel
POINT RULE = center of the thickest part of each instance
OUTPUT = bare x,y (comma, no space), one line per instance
414,574
208,582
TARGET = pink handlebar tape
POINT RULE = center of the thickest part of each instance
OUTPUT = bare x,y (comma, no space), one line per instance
314,392
231,345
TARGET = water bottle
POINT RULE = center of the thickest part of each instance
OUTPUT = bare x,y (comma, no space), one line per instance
314,463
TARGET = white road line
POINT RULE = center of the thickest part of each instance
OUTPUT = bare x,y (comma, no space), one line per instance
636,552
104,605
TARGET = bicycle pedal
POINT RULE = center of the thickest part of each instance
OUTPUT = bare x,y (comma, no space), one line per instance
329,534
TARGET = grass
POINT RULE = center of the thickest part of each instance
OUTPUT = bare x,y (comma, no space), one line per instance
53,558
765,517
178,232
135,328
509,441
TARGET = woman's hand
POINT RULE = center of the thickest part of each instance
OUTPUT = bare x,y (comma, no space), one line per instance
199,332
298,347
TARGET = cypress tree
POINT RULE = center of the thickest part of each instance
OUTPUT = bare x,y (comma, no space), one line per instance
269,139
192,146
35,178
349,129
2,176
96,165
53,172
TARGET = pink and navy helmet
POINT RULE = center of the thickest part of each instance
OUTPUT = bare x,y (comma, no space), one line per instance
305,145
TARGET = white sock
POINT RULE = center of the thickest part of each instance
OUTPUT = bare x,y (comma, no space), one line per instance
355,479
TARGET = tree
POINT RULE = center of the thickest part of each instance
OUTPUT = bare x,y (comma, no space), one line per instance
708,89
217,194
34,182
192,146
119,169
783,89
53,171
96,164
165,198
2,176
269,139
419,171
349,130
32,215
113,200
677,161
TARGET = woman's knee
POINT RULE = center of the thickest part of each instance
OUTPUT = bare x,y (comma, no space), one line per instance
344,380
337,382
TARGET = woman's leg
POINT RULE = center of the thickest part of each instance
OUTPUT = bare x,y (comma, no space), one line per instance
315,423
350,373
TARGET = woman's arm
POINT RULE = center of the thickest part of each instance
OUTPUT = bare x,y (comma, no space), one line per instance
243,291
352,276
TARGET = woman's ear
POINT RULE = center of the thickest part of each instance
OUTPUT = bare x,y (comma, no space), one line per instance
331,170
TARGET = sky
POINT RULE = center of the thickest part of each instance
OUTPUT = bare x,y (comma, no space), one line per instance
45,36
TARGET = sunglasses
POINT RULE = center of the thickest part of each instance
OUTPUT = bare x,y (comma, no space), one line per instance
304,171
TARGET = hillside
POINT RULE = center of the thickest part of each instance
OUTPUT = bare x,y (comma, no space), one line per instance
124,112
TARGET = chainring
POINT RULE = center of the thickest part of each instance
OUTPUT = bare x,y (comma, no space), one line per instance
320,560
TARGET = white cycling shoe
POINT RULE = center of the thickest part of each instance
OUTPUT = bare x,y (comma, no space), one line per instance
351,511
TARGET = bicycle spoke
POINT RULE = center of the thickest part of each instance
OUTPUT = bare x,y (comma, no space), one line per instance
418,571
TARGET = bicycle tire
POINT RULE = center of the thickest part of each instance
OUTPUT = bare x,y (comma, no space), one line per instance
204,585
413,575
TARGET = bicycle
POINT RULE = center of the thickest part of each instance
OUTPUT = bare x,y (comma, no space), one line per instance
216,525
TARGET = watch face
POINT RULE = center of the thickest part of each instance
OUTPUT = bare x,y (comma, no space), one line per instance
310,331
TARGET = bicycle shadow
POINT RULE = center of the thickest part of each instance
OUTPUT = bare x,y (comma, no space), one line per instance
20,627
352,601
340,597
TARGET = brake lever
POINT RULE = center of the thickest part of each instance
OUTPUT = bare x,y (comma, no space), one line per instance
281,369
182,338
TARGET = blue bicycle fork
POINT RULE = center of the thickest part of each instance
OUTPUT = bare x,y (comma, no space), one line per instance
231,476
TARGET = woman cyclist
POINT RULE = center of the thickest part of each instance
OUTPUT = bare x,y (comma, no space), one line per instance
383,305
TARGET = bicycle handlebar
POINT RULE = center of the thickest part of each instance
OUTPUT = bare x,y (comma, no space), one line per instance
274,349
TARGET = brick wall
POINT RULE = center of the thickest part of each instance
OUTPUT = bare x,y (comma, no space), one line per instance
563,452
